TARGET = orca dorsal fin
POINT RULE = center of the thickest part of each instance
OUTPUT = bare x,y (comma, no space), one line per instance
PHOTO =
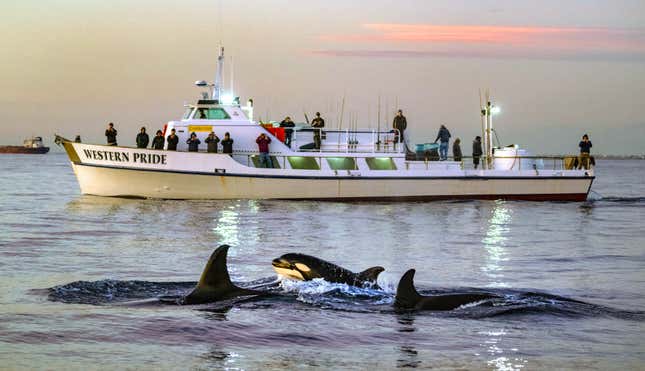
215,282
406,295
370,274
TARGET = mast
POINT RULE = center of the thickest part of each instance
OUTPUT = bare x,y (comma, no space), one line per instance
489,138
218,76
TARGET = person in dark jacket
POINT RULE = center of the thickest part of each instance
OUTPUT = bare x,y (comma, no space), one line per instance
158,140
317,123
211,142
193,143
172,140
288,131
443,137
477,150
456,150
400,123
227,144
142,138
263,146
110,133
585,148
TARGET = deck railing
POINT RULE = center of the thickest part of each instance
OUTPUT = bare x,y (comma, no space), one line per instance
516,163
347,140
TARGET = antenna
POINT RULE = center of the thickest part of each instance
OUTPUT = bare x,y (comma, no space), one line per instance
483,118
232,87
218,76
378,122
340,122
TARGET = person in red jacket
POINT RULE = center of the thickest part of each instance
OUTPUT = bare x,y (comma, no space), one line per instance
263,145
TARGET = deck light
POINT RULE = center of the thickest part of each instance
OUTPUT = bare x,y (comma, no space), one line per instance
227,99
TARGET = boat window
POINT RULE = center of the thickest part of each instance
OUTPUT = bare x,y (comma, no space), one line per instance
187,113
303,163
380,163
341,163
211,114
257,163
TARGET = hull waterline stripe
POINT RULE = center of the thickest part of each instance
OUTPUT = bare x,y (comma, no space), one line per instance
555,197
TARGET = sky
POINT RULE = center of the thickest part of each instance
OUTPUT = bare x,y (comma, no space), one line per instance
557,69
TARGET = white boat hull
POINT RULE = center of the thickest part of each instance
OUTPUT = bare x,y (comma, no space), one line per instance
205,179
102,181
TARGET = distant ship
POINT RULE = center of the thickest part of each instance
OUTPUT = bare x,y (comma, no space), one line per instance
32,145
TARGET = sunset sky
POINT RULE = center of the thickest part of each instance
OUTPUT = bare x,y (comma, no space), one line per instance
557,69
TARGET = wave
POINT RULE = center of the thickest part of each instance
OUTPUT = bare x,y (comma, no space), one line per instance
108,291
612,201
618,199
333,296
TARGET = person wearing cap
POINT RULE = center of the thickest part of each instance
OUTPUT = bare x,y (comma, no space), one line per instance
158,140
263,146
585,148
317,123
193,143
400,123
227,144
444,138
211,142
110,133
172,140
288,131
477,150
142,138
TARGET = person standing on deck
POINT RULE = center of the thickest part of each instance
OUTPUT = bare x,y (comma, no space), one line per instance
227,144
263,145
142,138
110,133
288,131
158,140
456,150
444,137
317,123
172,139
193,143
477,150
211,142
400,123
585,148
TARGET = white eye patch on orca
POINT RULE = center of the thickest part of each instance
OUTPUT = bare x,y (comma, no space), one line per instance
302,267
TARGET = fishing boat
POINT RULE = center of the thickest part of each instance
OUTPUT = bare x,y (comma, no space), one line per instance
347,165
33,145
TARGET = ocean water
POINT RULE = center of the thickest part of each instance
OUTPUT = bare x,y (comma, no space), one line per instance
51,237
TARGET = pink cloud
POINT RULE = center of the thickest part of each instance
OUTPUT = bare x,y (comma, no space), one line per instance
428,39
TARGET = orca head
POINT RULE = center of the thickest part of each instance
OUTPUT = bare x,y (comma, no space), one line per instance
298,266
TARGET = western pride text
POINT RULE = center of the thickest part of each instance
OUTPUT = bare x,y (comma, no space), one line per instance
142,158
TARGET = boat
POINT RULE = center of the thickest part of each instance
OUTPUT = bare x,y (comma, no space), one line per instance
33,145
348,165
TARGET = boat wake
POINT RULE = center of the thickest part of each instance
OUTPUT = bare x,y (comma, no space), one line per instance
636,201
332,296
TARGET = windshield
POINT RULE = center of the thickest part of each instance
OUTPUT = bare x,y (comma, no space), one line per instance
187,113
211,114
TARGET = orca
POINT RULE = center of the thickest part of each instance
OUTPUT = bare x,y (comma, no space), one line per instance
215,283
306,268
408,298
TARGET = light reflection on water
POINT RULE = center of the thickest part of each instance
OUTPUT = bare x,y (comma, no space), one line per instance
499,227
51,235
